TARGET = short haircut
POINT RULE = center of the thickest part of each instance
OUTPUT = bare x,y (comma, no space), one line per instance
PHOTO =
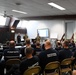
46,39
58,43
37,43
66,43
34,41
12,43
48,43
27,41
29,50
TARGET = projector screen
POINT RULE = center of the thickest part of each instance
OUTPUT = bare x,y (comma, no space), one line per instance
43,32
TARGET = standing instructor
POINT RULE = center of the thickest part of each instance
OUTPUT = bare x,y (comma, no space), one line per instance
18,38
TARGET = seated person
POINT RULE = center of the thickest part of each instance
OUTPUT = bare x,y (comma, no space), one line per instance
38,48
9,53
43,45
74,61
59,46
28,44
12,52
33,45
65,53
30,61
49,55
72,46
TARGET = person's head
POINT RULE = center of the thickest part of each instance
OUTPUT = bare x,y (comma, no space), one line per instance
58,43
29,51
38,44
18,33
65,44
12,44
46,40
27,41
34,41
48,44
24,37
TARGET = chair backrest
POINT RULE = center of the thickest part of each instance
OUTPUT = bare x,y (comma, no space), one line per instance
23,58
32,70
52,65
67,61
12,61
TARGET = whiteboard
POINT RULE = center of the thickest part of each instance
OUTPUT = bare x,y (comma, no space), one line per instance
53,35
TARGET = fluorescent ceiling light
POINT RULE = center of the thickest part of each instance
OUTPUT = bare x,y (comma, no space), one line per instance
56,6
19,11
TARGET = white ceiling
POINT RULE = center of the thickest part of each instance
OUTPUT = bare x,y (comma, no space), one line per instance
37,7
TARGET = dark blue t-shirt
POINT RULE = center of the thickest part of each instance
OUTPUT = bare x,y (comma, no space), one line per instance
27,63
65,53
47,56
11,53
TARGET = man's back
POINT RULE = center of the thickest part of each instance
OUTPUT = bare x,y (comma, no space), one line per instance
27,63
65,53
38,51
47,56
11,53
